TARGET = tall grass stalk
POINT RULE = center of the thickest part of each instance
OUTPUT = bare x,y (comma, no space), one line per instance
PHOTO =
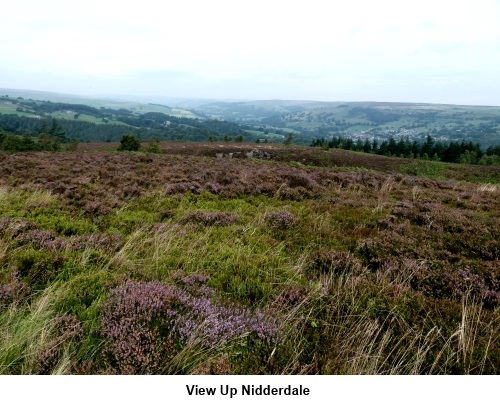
354,342
24,332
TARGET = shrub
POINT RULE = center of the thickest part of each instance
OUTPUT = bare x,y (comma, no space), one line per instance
37,267
441,283
145,324
281,220
13,291
167,214
333,262
130,143
292,296
15,227
72,145
300,180
67,330
153,147
43,240
97,209
184,187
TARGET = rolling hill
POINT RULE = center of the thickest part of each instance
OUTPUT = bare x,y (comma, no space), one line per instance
268,120
364,120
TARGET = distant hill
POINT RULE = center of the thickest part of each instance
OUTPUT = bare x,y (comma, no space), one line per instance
479,124
270,120
91,120
97,102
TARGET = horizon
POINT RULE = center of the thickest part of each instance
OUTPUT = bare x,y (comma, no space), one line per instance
150,99
389,51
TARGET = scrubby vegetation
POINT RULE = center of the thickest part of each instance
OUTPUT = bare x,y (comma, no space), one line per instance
303,262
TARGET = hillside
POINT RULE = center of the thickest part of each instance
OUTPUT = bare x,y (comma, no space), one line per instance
270,120
115,103
365,120
107,120
222,258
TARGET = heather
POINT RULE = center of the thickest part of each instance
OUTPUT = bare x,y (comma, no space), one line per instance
202,259
146,324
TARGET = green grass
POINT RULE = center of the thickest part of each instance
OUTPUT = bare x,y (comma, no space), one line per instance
363,281
270,135
18,203
42,209
433,170
85,117
442,171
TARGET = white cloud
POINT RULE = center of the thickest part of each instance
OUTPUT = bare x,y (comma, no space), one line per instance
313,49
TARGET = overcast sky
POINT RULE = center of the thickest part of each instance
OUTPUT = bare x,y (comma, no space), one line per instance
349,50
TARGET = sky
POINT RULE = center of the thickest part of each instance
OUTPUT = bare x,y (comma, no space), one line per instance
435,51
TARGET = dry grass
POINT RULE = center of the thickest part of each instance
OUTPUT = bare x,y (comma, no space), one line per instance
487,188
359,344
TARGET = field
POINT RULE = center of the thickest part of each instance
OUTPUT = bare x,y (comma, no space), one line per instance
109,103
365,119
291,260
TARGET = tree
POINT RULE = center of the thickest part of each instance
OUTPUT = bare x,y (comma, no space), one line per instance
153,146
129,142
367,146
428,145
10,143
57,131
48,142
44,129
452,153
384,148
289,139
393,146
358,146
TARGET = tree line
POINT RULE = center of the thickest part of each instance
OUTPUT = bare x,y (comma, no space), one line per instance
49,136
430,149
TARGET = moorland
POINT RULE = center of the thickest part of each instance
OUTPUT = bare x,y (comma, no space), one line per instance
244,258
